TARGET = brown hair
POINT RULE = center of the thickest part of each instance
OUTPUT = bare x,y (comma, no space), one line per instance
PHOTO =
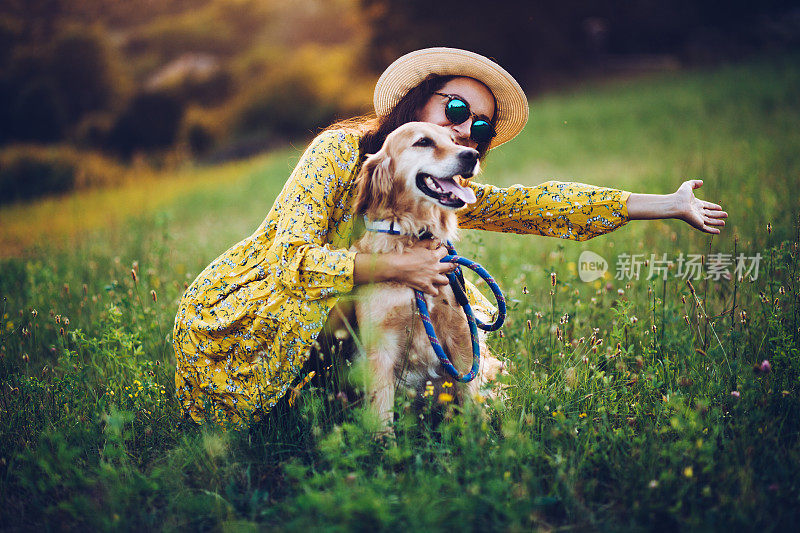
374,130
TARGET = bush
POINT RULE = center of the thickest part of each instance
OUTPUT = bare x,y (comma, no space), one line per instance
285,107
28,171
150,122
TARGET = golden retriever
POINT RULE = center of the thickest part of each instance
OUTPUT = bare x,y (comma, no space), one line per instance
417,181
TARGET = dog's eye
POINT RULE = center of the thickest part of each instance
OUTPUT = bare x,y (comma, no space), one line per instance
425,141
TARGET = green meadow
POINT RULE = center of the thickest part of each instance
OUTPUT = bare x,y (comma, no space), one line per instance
635,403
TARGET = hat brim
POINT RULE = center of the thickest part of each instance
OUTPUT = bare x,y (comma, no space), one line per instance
411,69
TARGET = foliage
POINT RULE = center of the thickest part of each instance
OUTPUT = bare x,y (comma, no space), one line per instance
48,87
29,171
629,404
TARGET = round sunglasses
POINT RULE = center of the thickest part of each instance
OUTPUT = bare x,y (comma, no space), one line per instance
457,112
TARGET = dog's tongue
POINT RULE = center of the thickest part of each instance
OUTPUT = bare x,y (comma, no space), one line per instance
464,193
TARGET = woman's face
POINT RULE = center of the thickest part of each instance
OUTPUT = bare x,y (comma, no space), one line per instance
474,93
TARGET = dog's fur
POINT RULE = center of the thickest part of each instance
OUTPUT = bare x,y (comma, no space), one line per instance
397,347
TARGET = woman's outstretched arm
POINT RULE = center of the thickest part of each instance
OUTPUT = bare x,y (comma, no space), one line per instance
682,204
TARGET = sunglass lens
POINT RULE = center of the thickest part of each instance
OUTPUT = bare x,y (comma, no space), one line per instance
457,111
481,131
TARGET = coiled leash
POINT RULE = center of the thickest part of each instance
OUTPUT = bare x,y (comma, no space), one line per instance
456,279
457,284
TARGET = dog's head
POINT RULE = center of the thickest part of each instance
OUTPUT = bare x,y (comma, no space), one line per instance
419,166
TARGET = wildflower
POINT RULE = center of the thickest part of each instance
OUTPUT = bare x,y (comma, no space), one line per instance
688,472
479,398
528,324
582,415
153,295
447,384
769,227
735,394
502,335
634,320
58,319
781,290
686,319
428,389
653,484
689,284
552,279
66,321
524,289
538,315
784,393
620,291
683,298
765,366
445,397
133,275
654,328
34,313
25,357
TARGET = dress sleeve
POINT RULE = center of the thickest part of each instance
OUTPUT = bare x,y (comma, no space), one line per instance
555,209
308,265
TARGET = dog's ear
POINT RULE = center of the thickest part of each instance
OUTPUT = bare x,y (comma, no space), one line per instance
374,182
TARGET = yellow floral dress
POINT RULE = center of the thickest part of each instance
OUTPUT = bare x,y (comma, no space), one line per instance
245,326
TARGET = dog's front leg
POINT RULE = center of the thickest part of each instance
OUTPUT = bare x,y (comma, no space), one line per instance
381,387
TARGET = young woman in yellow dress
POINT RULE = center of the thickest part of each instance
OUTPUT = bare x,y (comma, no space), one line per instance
246,325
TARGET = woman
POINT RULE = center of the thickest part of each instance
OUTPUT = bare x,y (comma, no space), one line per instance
246,325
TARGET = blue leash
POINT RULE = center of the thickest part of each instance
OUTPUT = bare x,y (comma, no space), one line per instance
457,284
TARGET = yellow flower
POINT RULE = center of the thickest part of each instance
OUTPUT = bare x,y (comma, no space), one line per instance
445,397
582,415
688,471
447,384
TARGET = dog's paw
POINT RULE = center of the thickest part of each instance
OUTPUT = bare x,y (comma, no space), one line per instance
386,437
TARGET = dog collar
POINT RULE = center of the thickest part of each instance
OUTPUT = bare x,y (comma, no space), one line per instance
388,226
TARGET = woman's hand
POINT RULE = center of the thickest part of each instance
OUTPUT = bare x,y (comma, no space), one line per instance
418,267
699,214
682,204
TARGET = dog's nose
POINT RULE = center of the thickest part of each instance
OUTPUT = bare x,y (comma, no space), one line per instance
468,155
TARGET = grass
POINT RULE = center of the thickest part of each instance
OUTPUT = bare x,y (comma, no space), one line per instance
631,404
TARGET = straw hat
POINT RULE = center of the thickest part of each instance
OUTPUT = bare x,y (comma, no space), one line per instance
409,70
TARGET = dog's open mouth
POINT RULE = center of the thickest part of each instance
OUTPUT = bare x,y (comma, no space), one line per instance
445,190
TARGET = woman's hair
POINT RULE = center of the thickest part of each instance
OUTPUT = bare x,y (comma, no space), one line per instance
374,130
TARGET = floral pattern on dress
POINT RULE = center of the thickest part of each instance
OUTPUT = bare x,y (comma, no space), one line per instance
245,326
